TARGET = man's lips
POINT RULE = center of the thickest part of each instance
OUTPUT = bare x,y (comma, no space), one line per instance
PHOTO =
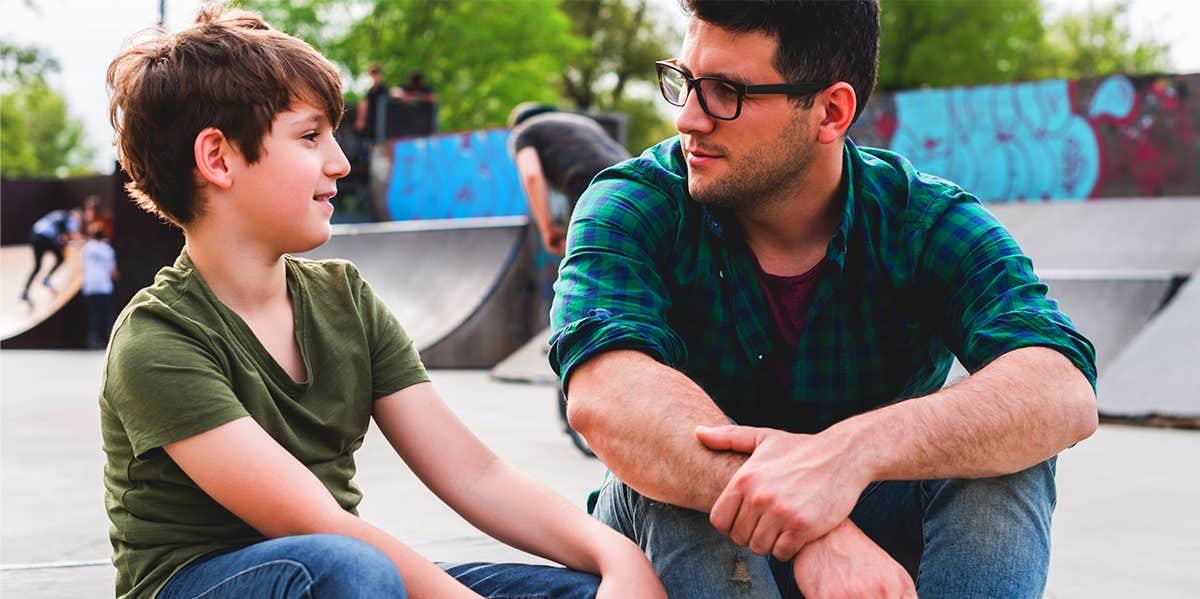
325,197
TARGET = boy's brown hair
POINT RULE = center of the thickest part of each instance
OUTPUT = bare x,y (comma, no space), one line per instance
230,70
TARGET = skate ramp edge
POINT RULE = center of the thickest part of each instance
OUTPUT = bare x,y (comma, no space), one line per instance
1154,377
438,276
16,261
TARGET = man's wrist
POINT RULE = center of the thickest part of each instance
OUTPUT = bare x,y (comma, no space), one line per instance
864,461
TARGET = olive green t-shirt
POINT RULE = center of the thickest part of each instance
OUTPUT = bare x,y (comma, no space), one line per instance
182,363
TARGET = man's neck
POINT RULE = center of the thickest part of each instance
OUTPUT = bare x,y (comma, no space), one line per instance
244,276
790,236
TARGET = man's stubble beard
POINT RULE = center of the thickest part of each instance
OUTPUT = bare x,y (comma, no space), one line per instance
762,176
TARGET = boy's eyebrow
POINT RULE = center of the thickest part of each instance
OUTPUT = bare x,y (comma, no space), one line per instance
313,116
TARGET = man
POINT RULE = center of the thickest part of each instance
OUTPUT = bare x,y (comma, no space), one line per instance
762,269
557,154
416,91
371,106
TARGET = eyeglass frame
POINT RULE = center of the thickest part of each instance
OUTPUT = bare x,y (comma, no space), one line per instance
796,88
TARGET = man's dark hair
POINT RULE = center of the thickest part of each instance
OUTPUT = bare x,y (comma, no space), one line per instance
819,40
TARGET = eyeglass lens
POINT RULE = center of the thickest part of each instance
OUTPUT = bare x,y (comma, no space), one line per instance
718,99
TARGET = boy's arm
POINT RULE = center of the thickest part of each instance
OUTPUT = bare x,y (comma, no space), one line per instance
272,491
504,502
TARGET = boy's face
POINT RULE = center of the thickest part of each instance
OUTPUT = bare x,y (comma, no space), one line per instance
284,197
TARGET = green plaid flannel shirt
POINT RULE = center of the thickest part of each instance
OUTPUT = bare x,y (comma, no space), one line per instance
918,272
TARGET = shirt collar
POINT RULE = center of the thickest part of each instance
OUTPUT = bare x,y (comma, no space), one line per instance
722,224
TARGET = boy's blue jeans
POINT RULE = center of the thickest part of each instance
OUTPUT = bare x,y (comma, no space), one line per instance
957,538
317,566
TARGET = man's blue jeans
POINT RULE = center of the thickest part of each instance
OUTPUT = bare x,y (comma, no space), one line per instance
957,538
317,566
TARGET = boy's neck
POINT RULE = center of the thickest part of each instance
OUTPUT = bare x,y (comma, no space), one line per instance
244,276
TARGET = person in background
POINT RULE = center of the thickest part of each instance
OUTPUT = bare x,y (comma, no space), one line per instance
99,274
416,91
557,154
50,234
371,106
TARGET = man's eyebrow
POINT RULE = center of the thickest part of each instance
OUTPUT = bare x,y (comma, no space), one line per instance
734,77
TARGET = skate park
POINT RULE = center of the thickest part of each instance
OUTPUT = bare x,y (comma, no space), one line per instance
454,257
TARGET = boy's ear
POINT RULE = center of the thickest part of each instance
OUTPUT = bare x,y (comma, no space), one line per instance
212,153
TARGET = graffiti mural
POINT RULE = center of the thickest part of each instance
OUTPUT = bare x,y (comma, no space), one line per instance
1048,140
455,175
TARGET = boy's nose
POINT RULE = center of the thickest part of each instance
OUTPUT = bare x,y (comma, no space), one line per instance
337,166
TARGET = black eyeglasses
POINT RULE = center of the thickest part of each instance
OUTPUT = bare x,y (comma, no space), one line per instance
721,98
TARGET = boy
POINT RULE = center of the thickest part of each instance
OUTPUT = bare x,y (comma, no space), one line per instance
99,272
240,383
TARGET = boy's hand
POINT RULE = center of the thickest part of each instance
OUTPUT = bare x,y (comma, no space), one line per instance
847,563
792,490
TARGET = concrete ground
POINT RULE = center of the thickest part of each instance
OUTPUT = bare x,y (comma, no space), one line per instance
1126,522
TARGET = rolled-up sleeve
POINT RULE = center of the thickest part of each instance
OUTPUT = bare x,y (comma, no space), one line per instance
985,294
610,293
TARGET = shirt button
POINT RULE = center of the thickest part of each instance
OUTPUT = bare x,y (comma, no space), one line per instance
721,273
760,357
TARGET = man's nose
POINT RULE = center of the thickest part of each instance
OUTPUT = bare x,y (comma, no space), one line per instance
691,117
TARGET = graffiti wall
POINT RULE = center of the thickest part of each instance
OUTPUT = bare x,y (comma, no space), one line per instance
1048,140
454,175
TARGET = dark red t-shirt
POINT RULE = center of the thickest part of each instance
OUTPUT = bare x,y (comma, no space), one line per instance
788,299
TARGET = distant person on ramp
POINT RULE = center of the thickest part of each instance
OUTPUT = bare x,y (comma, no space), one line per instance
557,154
240,384
50,234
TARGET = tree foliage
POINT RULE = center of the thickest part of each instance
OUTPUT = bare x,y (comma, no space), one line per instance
484,57
940,43
38,137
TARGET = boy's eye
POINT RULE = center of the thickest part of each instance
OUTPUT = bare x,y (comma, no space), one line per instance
311,136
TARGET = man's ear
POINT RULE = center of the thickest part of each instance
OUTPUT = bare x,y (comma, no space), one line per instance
212,152
840,103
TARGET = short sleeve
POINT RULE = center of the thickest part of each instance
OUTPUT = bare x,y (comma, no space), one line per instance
395,362
609,293
165,383
986,298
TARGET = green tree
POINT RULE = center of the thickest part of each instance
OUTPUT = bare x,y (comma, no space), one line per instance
38,137
1098,42
482,56
942,43
623,41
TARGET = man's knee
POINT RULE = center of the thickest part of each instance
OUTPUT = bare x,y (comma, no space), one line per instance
997,528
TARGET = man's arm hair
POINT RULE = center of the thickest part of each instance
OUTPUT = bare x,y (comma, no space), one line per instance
640,417
1024,407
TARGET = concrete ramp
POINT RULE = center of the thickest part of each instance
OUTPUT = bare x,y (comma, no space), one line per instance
1123,235
1158,373
16,261
1110,308
461,288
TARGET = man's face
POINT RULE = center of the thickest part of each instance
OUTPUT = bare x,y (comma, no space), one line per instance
754,159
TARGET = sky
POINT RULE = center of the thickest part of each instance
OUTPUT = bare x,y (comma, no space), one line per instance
84,35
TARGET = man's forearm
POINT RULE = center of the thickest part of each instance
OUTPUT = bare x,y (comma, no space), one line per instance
1021,409
640,416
